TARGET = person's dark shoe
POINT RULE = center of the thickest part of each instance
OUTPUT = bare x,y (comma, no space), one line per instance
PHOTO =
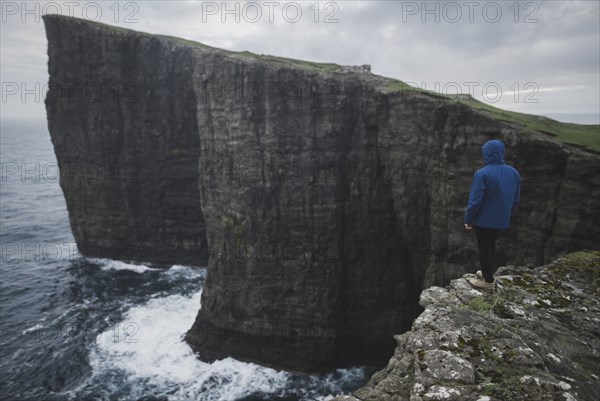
480,284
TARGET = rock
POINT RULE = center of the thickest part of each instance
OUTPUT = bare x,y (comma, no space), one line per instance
122,122
435,393
365,68
444,366
325,198
541,354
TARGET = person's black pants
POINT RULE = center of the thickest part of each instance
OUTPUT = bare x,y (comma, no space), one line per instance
486,239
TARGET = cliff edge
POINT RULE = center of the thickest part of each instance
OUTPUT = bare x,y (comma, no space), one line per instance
536,338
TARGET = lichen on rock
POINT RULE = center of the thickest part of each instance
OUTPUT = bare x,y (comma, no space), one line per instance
536,338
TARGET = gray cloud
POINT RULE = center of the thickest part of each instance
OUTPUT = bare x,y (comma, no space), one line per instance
559,53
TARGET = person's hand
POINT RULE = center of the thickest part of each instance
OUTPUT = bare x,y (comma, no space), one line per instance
468,226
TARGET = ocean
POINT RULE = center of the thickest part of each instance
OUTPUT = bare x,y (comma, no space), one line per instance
77,328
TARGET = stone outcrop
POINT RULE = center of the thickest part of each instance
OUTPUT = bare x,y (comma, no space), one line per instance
324,197
536,338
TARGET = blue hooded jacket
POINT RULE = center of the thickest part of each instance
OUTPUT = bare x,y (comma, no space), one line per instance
495,190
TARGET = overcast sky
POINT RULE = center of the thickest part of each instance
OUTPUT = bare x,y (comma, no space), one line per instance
546,52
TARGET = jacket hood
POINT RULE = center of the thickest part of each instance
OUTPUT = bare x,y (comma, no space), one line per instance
493,152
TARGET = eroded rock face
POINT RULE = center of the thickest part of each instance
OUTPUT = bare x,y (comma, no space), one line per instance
121,115
536,338
328,200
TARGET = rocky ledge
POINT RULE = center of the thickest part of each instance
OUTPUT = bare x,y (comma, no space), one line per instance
536,338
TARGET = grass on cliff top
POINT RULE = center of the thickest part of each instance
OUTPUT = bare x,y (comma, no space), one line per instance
186,41
587,136
290,62
396,85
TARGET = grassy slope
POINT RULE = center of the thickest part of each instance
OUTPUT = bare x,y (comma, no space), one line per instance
587,136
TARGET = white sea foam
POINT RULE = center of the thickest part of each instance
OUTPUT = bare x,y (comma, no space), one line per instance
182,267
109,264
148,347
191,272
37,326
145,354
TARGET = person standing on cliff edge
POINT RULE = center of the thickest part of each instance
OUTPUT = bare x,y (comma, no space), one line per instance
495,192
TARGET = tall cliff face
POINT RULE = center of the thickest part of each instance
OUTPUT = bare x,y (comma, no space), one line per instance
121,114
328,198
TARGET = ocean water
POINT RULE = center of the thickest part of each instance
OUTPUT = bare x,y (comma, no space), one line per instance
75,328
578,118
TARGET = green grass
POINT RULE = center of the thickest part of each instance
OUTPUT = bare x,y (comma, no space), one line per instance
185,41
583,262
587,136
290,62
479,305
395,85
488,389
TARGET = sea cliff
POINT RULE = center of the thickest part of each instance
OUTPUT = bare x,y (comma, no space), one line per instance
322,198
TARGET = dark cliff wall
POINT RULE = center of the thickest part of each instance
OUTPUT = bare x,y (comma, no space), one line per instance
328,200
121,114
310,262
